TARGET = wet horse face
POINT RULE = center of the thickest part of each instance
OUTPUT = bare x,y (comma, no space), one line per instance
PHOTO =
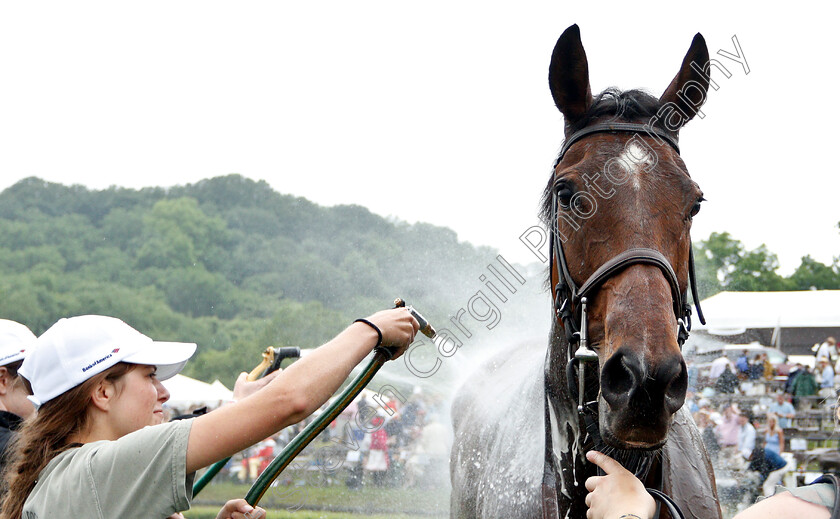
616,191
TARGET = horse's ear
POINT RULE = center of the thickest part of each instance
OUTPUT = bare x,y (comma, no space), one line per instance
568,76
688,89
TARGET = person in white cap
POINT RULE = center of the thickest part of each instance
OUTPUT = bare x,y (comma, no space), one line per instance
89,451
15,338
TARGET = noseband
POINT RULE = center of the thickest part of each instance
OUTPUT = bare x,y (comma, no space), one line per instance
570,302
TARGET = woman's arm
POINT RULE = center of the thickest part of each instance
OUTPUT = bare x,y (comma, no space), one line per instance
781,440
784,506
296,392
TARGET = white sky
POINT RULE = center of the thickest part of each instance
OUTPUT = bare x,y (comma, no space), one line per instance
429,111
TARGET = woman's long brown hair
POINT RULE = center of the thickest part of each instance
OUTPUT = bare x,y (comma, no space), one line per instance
44,436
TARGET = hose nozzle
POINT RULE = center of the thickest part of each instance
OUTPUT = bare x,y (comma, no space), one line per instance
271,359
425,328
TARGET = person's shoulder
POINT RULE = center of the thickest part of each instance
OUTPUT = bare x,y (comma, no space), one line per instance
783,506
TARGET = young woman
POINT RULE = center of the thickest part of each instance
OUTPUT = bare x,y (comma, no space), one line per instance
15,339
774,436
620,494
89,451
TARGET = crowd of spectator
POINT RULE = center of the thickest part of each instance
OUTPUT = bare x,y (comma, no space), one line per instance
381,443
752,441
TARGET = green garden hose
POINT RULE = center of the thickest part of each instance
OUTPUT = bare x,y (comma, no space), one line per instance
381,355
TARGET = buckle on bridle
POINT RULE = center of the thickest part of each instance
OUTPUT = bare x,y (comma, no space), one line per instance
682,332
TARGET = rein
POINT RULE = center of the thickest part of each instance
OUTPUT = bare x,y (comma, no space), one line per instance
570,302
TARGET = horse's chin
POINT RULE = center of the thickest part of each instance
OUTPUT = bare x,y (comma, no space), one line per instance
623,431
611,440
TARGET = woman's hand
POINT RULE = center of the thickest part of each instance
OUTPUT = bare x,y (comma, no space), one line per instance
617,494
244,387
240,509
398,328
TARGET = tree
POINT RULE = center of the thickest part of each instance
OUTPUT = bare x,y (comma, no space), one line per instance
196,292
813,274
756,272
177,233
741,270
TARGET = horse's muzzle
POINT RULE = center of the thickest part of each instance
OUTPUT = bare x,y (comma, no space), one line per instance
641,396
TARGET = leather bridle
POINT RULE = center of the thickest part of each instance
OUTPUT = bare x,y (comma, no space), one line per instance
570,302
568,295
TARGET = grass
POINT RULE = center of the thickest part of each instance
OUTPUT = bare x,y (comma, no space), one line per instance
333,501
209,512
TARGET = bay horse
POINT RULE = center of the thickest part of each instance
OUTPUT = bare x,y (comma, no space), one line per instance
619,206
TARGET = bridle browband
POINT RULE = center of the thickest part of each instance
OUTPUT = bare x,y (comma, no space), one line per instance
570,301
651,131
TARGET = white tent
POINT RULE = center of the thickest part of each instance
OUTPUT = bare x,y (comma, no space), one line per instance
186,392
730,313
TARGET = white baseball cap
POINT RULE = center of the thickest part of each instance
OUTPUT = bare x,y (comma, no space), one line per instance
77,348
15,339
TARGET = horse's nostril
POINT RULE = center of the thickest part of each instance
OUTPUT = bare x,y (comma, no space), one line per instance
676,388
618,378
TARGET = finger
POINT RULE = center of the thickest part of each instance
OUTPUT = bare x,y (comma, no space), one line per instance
271,376
414,323
256,513
592,482
609,465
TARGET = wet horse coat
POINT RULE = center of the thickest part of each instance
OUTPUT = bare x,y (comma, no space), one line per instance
612,191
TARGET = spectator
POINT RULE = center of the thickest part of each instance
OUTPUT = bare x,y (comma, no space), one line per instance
378,460
827,350
718,365
826,375
770,465
726,382
783,409
769,371
15,339
794,372
774,436
805,385
746,434
756,369
710,441
743,364
727,430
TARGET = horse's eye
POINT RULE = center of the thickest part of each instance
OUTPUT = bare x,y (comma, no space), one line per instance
564,193
696,207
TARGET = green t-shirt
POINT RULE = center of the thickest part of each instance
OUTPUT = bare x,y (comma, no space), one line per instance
142,475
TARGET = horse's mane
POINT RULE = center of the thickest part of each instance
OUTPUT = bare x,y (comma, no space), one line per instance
627,105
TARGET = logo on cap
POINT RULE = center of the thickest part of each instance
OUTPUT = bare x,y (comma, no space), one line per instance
99,361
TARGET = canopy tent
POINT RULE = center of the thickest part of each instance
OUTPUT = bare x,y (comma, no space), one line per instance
792,321
187,392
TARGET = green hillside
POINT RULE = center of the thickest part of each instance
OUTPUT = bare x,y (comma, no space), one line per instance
227,262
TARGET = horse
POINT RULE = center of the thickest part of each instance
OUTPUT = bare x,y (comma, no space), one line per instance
619,207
